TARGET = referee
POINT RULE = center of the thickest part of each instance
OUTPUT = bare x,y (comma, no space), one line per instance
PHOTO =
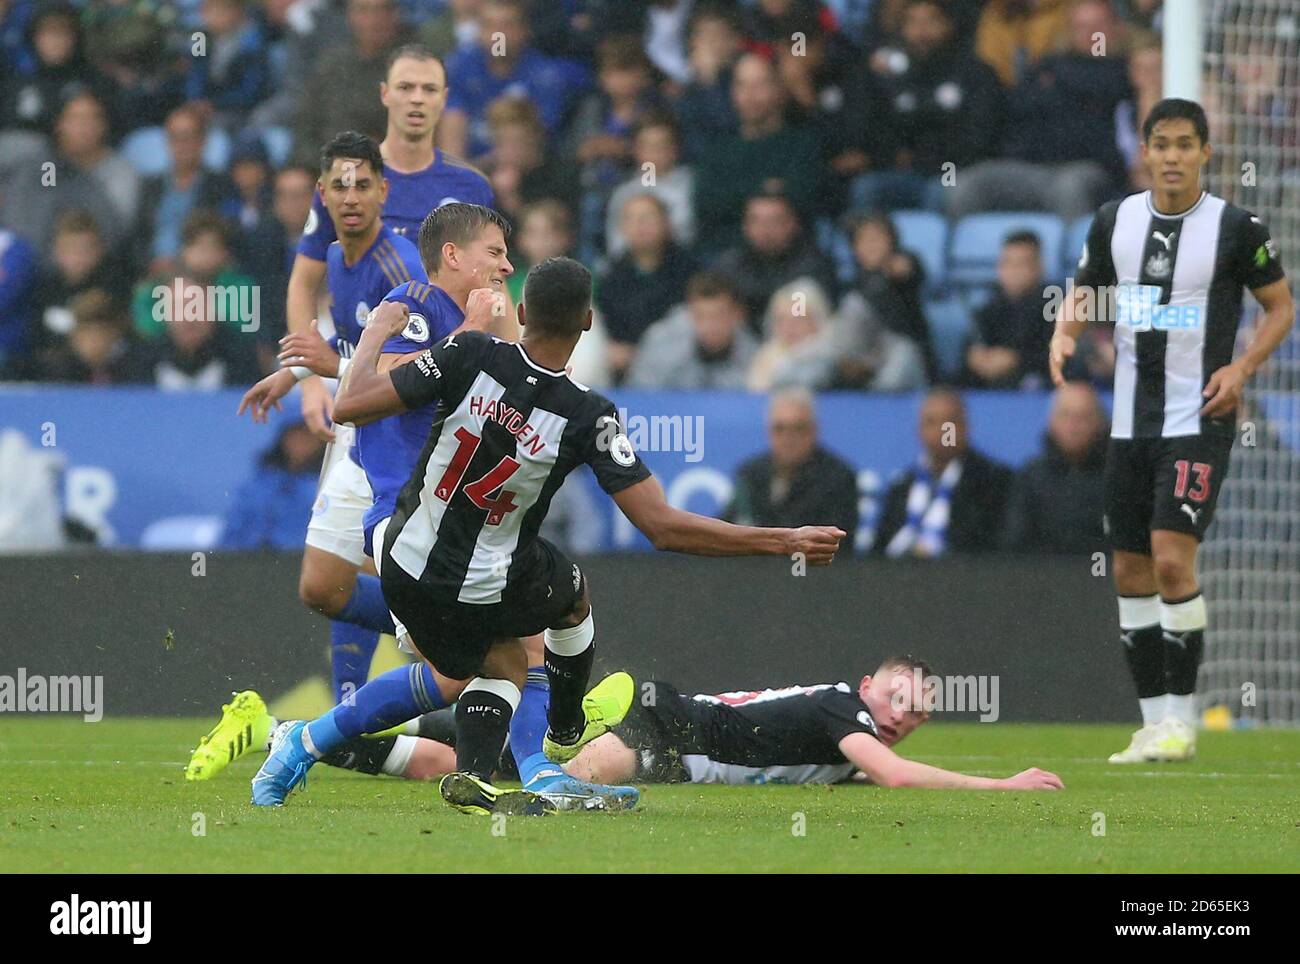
1167,266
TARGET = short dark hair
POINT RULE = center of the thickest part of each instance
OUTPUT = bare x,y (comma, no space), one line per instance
557,297
712,10
622,52
774,194
55,10
711,284
907,663
937,4
458,223
653,198
354,146
77,221
413,52
1024,237
1176,108
79,91
548,207
96,307
657,117
296,168
204,221
857,221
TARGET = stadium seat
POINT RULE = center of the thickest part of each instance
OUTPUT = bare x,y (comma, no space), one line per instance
977,240
831,238
278,141
1075,235
145,149
950,325
216,152
182,532
925,234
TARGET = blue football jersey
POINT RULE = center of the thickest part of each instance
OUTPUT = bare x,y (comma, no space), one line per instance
390,448
354,290
410,198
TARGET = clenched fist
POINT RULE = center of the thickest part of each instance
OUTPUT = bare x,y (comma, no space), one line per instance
818,544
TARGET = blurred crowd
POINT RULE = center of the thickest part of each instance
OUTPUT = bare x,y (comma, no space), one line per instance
952,499
742,176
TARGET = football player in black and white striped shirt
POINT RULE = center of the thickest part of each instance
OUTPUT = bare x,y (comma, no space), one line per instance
1169,267
825,733
794,734
461,563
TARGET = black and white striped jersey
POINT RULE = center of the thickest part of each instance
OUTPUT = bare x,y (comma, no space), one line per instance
1175,283
787,726
506,433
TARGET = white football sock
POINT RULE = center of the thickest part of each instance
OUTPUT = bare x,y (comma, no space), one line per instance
399,756
1154,708
1182,708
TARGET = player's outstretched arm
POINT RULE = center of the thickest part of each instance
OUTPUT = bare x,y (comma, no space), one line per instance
885,768
264,397
367,394
305,280
673,530
1223,390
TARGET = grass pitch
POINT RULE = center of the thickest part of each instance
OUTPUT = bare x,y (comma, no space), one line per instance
76,797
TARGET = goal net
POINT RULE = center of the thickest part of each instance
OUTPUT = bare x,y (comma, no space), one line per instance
1251,558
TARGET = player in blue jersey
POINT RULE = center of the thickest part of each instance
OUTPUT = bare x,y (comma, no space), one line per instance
365,262
463,249
469,267
419,178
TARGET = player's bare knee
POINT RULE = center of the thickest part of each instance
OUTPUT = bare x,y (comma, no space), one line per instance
1133,574
1175,575
326,581
320,595
312,593
581,610
507,660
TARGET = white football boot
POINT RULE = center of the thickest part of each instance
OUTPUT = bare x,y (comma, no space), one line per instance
1139,746
1174,741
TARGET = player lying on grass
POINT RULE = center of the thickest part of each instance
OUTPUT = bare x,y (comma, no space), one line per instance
796,734
799,734
461,564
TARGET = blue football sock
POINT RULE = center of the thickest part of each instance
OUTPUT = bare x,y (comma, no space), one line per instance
351,649
366,606
390,698
528,726
536,772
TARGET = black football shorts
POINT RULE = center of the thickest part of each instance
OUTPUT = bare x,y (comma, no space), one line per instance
455,636
1162,483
